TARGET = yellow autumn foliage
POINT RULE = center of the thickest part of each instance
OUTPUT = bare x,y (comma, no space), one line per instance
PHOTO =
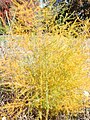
44,73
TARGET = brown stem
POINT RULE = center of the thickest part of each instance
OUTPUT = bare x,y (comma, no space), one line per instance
2,22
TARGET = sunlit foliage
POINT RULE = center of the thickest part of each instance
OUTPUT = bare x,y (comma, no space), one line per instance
43,71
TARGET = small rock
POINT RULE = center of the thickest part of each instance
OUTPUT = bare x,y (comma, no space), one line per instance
86,93
3,118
